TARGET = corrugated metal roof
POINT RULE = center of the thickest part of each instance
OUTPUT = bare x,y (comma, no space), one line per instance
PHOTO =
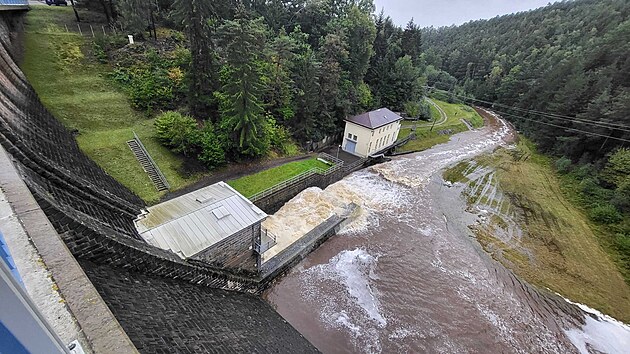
195,221
375,119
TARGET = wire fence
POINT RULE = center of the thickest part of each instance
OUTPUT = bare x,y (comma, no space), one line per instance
92,30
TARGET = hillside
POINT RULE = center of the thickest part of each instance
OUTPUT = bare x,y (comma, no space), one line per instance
570,60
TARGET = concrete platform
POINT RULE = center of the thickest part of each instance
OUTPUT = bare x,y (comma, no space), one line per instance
346,157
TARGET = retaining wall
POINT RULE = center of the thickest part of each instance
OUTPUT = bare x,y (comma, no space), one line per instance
293,254
271,203
234,252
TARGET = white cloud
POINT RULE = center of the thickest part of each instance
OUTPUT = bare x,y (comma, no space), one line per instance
447,12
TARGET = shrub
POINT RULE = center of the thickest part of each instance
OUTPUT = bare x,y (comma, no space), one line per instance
210,145
605,214
280,138
617,167
585,171
154,82
178,132
412,109
621,198
563,165
98,47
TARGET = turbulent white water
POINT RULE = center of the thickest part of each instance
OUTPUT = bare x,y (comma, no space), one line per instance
600,332
404,276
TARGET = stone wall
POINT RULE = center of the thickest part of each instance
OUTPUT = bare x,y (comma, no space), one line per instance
12,31
172,316
92,211
271,203
234,252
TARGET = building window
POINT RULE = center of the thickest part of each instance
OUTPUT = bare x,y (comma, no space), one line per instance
355,138
370,147
349,136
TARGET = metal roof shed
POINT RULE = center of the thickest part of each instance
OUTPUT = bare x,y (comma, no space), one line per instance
190,224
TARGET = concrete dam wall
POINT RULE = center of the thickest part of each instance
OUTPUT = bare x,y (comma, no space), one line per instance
93,214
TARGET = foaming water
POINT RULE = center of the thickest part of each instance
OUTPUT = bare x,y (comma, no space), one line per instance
599,333
404,275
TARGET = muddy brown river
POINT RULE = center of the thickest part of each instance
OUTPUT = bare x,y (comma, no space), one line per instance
404,274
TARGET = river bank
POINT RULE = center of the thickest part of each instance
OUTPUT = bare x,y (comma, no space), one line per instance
405,275
526,223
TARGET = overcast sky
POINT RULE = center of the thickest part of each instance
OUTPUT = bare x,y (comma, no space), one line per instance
447,12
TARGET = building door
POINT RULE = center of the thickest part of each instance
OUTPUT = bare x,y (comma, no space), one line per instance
351,146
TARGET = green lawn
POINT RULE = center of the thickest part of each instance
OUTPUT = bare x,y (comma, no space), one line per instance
252,184
73,86
426,138
458,111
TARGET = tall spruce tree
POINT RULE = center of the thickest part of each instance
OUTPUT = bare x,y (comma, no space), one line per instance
196,18
243,86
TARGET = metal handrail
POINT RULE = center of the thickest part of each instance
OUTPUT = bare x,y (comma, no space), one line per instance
299,178
157,169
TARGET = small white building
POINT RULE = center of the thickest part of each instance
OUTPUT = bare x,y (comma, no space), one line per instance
215,224
371,132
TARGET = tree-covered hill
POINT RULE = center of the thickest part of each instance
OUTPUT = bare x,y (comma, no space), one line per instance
569,62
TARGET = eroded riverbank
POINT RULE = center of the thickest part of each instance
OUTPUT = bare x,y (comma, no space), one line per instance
405,276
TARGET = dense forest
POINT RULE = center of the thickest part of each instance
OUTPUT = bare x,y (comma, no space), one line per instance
561,73
255,73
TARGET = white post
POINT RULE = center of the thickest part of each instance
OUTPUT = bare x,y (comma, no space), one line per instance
92,29
79,26
130,38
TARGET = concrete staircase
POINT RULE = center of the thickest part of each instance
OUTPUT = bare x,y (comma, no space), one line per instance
149,166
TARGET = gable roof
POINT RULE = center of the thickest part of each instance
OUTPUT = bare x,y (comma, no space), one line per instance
375,119
195,221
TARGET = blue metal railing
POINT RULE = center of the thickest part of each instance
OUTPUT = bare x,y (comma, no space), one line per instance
14,2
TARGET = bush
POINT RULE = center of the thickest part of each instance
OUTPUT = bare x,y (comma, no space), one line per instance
154,82
178,132
585,171
210,145
98,47
563,165
622,244
605,214
412,109
280,138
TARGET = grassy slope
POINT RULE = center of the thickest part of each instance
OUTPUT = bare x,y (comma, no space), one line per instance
74,88
568,255
426,138
252,184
